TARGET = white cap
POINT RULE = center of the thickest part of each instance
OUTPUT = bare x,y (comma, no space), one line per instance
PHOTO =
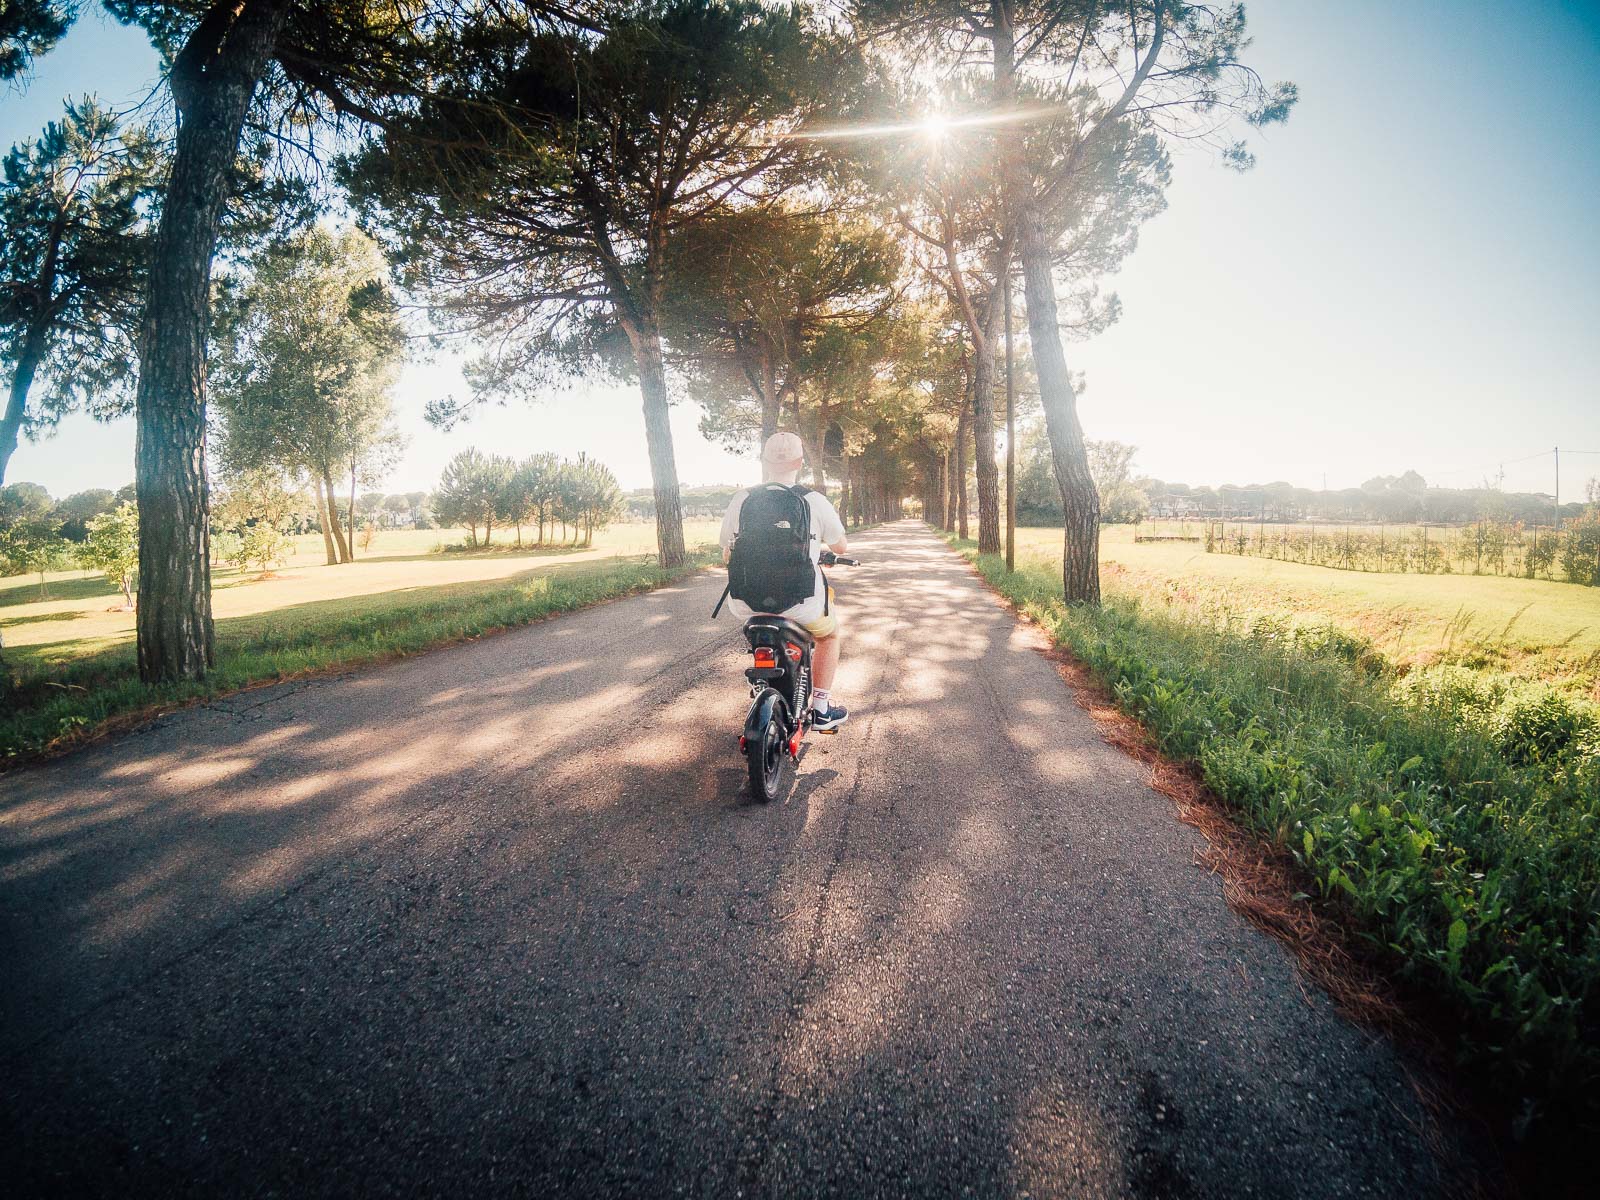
783,450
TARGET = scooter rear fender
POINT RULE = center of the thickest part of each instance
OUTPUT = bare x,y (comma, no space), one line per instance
768,706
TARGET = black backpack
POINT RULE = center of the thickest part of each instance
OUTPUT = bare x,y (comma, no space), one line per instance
770,568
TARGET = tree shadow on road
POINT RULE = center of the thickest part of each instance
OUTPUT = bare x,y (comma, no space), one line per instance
530,915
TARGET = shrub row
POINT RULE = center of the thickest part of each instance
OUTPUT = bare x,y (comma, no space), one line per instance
1482,548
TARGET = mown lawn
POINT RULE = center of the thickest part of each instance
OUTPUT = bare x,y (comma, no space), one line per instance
79,676
1451,812
81,616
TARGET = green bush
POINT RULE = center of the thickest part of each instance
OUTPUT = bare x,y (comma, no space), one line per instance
1542,726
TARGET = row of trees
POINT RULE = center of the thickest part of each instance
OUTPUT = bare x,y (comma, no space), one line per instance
96,529
1377,500
110,544
1127,498
768,203
1480,548
484,490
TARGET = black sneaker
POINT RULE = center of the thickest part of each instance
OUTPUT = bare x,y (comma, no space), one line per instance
835,716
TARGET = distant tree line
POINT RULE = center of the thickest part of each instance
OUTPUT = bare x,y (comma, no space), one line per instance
1126,498
96,529
710,501
1484,547
480,491
1384,499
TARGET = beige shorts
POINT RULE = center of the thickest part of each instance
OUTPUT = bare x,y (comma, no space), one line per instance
826,625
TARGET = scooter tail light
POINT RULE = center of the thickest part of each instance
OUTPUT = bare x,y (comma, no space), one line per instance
766,656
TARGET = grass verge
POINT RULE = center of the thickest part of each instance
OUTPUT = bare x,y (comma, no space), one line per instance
54,708
1463,849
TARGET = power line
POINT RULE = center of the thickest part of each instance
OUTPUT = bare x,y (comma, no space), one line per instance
1505,462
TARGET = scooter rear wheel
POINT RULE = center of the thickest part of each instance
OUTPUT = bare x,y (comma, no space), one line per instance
766,755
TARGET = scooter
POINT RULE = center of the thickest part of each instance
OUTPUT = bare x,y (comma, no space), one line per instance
780,689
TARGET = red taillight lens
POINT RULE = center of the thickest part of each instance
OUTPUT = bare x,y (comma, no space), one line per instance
793,651
766,656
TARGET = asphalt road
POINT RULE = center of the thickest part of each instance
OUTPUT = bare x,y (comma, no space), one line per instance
501,919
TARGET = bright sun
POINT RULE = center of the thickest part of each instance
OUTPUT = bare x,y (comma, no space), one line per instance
935,126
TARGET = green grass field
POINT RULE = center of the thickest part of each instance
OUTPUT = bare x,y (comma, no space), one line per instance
72,653
1533,629
82,617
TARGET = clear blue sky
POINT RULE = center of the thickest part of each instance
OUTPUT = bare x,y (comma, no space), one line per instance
1409,279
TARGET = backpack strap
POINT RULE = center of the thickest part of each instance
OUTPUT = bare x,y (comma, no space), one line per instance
801,490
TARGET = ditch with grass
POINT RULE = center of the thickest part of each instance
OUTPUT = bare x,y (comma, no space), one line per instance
1438,783
71,654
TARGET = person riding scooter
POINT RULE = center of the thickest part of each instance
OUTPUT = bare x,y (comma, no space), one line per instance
774,566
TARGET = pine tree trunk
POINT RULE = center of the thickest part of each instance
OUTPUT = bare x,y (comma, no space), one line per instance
813,451
324,519
646,341
212,80
983,432
819,465
27,365
961,471
949,490
1080,502
770,401
1011,431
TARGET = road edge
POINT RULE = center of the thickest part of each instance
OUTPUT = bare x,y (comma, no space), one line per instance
133,719
1261,883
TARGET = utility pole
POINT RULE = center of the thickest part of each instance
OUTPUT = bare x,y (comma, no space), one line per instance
1011,438
1558,489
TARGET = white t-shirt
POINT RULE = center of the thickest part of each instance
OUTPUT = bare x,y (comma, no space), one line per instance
826,529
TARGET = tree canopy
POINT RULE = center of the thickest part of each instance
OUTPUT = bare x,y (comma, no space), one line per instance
74,240
804,217
28,28
307,353
535,194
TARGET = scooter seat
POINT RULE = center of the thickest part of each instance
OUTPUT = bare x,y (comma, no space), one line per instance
792,630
